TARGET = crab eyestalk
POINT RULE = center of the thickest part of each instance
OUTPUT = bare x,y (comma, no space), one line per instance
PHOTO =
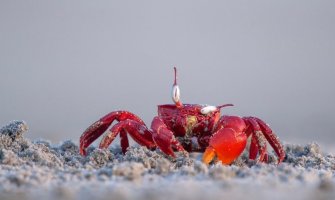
176,91
225,105
209,109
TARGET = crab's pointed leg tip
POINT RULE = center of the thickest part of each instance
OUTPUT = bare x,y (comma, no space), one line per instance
209,155
82,152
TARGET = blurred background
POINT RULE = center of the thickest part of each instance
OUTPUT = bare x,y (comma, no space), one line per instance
64,64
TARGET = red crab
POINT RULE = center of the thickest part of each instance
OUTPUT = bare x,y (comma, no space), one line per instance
186,128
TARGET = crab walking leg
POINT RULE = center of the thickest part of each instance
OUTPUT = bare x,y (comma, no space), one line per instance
272,139
139,132
263,131
227,143
124,140
253,151
100,126
260,139
266,156
164,137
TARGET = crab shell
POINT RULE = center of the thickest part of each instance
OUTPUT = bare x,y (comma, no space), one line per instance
188,120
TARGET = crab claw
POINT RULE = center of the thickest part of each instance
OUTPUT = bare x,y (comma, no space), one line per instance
227,143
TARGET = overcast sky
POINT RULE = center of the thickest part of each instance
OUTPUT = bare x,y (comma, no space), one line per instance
65,64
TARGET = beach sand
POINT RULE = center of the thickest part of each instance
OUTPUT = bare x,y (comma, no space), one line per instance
40,170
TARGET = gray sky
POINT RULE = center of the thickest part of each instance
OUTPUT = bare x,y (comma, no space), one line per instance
64,64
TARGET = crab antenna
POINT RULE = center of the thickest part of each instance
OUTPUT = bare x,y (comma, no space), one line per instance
225,105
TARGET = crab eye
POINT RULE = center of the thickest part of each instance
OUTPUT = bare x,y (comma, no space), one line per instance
175,93
208,109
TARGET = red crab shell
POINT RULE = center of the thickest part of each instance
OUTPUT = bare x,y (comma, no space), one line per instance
188,119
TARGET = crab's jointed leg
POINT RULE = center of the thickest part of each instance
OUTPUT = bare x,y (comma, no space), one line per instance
124,141
100,126
269,135
139,132
253,150
258,140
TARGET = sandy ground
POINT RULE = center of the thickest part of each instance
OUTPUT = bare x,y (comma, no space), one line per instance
39,169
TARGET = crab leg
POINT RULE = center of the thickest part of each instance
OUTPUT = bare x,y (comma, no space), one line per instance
263,133
272,139
100,126
139,132
124,140
253,151
164,137
259,138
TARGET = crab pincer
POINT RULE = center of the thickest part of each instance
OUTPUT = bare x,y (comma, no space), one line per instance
226,143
